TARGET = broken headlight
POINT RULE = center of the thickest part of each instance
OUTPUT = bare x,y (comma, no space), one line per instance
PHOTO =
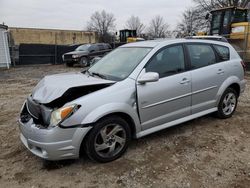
60,114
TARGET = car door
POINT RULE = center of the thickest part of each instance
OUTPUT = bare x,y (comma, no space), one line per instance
169,98
207,76
101,49
93,51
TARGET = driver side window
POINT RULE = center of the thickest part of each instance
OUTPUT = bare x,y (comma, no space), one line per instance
168,61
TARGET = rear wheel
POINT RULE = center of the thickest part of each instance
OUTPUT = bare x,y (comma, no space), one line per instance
228,104
108,139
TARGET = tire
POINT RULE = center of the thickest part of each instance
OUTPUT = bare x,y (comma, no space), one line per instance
69,64
84,61
108,139
227,104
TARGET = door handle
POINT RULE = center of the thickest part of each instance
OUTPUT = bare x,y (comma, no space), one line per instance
184,81
220,71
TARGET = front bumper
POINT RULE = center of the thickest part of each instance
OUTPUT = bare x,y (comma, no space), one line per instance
72,59
52,143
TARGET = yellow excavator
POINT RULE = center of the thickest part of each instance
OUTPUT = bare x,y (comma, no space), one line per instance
129,35
233,23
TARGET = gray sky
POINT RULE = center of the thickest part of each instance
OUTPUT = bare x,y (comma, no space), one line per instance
74,14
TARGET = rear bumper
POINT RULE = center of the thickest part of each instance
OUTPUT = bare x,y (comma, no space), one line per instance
52,143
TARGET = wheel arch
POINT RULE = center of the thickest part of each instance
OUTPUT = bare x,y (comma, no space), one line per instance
231,82
123,115
122,109
236,87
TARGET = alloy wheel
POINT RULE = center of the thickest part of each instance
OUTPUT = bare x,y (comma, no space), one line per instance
229,103
110,140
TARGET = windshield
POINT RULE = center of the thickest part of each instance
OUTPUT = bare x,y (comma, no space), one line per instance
118,64
84,47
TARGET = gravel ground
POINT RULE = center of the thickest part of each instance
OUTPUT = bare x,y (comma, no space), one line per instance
205,152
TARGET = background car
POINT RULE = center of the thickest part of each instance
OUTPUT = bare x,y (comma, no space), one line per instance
85,53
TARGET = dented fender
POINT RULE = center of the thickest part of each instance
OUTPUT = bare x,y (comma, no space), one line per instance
111,108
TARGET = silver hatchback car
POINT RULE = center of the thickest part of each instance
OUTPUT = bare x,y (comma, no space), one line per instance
135,90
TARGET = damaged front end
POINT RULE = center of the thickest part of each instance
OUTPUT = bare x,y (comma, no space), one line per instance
53,92
41,113
50,103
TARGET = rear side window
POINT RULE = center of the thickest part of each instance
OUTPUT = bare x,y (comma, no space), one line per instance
167,62
93,48
223,52
201,55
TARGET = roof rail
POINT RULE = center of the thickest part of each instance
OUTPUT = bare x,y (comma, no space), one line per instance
209,37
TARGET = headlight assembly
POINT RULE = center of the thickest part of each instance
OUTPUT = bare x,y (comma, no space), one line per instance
60,114
75,56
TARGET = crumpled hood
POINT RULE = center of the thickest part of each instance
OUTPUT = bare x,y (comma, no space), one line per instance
54,86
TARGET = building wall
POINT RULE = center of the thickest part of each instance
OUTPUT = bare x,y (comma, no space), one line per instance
50,36
4,48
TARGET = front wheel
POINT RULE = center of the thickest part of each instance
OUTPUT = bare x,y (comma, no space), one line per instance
84,61
228,104
108,139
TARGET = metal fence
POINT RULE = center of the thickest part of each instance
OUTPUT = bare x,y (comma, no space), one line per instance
26,54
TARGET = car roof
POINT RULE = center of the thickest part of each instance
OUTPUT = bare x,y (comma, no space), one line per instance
164,42
147,43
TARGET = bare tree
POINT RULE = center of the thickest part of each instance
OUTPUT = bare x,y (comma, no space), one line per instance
193,20
135,23
208,5
158,28
103,23
191,23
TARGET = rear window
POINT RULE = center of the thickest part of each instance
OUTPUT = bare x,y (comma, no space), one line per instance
201,55
223,52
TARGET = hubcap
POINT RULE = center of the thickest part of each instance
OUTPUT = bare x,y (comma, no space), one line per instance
84,61
229,103
110,140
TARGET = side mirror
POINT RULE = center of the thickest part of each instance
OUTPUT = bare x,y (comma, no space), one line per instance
148,77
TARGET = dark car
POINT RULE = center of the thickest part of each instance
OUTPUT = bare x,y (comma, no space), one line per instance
85,53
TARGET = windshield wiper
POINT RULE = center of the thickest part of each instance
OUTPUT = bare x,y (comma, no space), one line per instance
87,71
97,74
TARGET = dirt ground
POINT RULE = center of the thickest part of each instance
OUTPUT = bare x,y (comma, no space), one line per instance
205,152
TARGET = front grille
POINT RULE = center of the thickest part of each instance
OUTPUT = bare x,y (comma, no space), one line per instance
39,113
35,111
33,108
67,57
25,116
